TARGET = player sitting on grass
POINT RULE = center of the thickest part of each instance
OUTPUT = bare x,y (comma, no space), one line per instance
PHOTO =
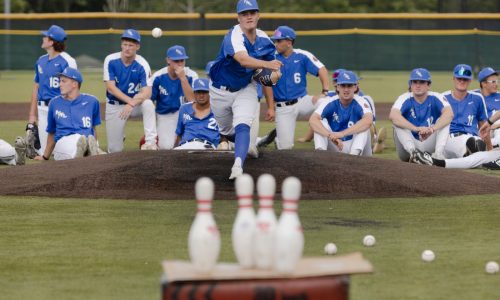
197,128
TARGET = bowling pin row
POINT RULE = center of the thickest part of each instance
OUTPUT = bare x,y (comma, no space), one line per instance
260,240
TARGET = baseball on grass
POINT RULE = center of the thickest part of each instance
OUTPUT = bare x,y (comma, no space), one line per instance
156,32
369,240
330,249
428,255
491,267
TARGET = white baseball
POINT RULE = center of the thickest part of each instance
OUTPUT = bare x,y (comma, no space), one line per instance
330,249
369,240
491,267
156,32
428,255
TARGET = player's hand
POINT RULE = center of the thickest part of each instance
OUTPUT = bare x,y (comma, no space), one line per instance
126,111
316,98
425,133
270,114
336,140
39,157
484,130
274,65
179,71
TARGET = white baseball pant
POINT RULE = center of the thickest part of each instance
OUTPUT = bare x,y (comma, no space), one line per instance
495,137
166,126
43,113
360,144
66,147
474,160
7,153
405,143
115,126
231,109
254,129
286,120
455,146
194,145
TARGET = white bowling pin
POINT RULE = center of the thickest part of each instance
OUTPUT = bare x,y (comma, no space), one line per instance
289,242
204,237
244,224
266,223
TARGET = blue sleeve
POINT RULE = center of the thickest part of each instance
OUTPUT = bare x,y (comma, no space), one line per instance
327,111
154,93
37,79
96,114
51,121
144,78
227,46
311,67
482,116
180,126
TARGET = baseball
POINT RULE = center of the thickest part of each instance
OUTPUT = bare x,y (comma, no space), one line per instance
330,249
156,32
428,255
369,240
491,267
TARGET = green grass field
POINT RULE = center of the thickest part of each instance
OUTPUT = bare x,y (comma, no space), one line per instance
112,249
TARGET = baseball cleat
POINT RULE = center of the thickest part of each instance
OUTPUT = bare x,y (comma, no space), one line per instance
223,146
93,146
253,152
268,139
493,165
30,144
474,145
422,158
81,146
236,171
148,146
20,146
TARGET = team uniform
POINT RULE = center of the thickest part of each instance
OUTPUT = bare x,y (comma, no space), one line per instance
7,153
492,106
290,94
69,120
168,95
129,79
335,117
46,76
467,115
195,133
420,115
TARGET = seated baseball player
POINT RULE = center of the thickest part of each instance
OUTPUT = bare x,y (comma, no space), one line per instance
488,82
420,118
469,112
72,119
486,159
13,156
342,123
197,128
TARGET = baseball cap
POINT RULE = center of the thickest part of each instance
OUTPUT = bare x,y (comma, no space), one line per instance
485,73
244,5
335,74
284,33
131,34
347,77
462,71
200,85
177,52
56,33
420,74
209,66
72,73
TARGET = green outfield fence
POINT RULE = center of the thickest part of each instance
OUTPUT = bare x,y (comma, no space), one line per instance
353,41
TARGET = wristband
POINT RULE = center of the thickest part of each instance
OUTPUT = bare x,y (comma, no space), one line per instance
489,121
324,91
44,158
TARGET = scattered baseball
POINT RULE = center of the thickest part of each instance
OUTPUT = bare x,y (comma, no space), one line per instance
156,32
369,240
428,255
330,249
491,267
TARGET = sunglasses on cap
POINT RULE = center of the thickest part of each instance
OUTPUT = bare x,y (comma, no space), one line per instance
463,72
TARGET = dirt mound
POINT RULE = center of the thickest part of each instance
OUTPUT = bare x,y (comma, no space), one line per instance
172,174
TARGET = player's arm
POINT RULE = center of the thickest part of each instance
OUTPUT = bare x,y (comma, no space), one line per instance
51,143
317,125
268,93
488,125
249,62
444,120
325,82
32,118
399,121
360,126
177,141
186,87
144,93
115,91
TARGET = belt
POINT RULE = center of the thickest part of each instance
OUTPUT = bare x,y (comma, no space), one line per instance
207,143
280,103
44,102
225,88
455,134
113,102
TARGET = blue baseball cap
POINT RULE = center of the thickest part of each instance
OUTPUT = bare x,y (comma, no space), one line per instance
245,5
284,33
56,33
462,71
485,73
347,77
200,85
209,66
335,74
72,73
131,34
177,52
420,74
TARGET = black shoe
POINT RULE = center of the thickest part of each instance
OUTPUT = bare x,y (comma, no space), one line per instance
421,158
474,145
493,165
268,139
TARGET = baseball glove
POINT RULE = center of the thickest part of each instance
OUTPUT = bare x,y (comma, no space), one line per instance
266,77
32,140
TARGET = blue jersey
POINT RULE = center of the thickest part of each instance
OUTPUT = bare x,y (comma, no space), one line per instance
339,117
47,74
67,117
423,114
190,127
167,92
228,72
467,113
129,79
492,103
293,82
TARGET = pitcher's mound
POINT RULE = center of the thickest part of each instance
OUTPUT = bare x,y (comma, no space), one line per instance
172,175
